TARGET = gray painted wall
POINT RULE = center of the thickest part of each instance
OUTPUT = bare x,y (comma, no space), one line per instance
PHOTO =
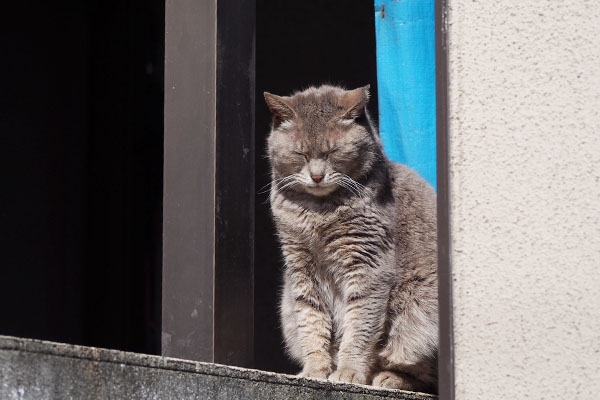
525,193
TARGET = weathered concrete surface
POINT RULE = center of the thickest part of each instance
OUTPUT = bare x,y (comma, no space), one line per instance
34,369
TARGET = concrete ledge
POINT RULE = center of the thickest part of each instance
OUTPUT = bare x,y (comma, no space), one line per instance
35,369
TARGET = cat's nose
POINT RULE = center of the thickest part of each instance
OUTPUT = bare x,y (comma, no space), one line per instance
317,178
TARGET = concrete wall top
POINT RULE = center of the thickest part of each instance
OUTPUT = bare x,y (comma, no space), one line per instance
35,369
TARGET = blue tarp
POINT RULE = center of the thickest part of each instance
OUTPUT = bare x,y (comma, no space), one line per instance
405,33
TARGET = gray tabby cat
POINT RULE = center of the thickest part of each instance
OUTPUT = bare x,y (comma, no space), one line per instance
358,236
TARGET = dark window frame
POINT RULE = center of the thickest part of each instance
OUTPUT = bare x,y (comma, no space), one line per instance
446,350
209,67
209,100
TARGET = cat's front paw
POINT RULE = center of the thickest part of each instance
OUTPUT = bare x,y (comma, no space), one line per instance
348,375
315,373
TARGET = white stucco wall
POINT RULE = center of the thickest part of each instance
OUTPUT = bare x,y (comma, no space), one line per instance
525,192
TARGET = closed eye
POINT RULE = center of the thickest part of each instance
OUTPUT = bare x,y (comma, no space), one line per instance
330,152
301,154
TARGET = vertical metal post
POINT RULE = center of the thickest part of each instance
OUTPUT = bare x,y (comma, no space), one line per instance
189,179
446,354
208,227
234,224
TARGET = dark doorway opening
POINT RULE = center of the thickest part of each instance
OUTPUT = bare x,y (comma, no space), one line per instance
82,140
299,44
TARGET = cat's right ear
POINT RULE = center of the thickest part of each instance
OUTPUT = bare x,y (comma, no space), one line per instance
280,107
356,101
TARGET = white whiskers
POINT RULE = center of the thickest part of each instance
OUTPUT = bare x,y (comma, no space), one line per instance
348,183
290,184
267,187
286,182
289,181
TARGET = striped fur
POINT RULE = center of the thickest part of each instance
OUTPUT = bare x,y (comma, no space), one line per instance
359,300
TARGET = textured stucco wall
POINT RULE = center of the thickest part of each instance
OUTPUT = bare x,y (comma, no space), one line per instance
525,192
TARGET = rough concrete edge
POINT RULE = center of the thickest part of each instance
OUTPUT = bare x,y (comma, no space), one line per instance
151,361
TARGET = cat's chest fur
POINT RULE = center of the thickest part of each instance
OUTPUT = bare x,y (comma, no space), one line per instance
313,228
325,237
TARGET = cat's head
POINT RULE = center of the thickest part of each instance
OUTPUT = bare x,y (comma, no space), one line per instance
321,139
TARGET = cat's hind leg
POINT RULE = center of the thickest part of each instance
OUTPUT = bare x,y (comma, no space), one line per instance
408,358
397,380
419,377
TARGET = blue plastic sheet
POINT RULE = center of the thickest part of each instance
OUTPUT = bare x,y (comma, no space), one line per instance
405,33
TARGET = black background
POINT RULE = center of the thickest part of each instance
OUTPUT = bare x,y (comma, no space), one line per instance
81,136
81,172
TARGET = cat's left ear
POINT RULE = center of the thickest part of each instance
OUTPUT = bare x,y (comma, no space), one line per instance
355,102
